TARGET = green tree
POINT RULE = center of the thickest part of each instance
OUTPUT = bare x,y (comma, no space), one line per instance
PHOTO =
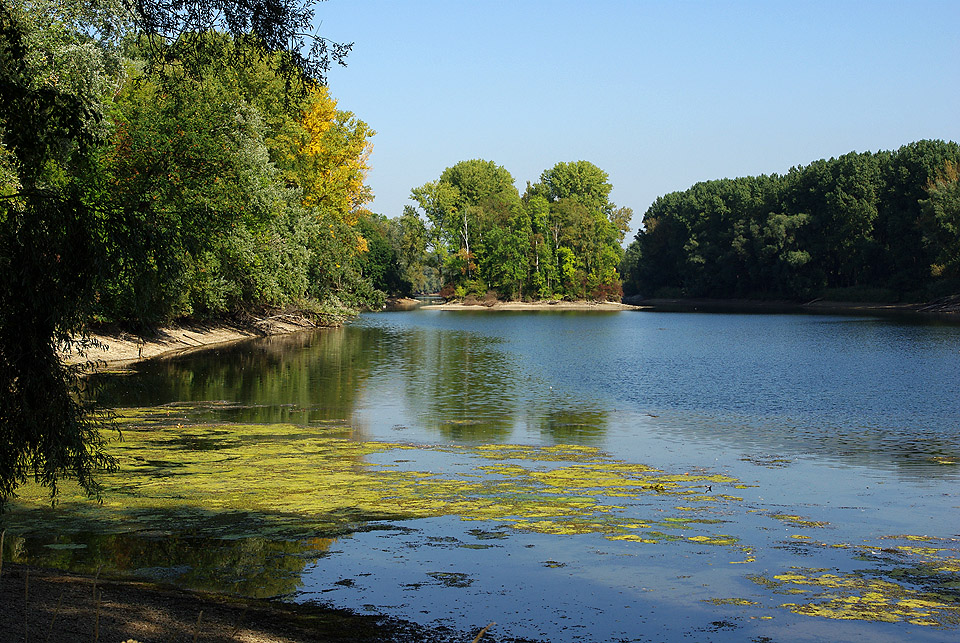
584,220
49,259
381,262
873,222
542,266
59,68
409,237
438,201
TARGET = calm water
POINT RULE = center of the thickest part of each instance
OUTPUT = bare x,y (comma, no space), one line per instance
809,467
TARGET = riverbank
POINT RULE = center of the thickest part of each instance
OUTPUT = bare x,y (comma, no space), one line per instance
948,307
51,605
114,348
534,305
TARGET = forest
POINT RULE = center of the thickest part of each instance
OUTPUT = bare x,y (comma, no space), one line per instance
160,161
163,161
881,226
201,193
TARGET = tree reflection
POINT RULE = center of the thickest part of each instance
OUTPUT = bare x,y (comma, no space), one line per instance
574,426
301,378
255,567
459,385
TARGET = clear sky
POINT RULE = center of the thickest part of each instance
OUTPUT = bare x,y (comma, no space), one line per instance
660,95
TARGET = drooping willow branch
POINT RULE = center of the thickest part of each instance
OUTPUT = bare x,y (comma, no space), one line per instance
180,34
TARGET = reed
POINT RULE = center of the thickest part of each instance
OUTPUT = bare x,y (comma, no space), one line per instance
56,612
2,534
484,631
26,598
96,620
236,626
196,631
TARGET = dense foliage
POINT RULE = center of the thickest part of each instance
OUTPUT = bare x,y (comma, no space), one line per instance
158,160
561,239
879,226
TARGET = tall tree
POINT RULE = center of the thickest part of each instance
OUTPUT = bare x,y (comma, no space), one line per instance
59,67
48,263
586,229
878,223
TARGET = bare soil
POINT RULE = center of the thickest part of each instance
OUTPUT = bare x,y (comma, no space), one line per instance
49,605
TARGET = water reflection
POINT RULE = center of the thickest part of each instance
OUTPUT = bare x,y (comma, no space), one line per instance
584,426
861,391
459,384
304,378
430,439
256,567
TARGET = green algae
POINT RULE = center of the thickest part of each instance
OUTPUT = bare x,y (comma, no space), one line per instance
292,481
743,602
797,521
910,584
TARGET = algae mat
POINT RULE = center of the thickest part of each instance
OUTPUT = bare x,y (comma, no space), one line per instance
255,508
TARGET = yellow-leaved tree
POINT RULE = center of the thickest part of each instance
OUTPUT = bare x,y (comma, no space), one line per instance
326,155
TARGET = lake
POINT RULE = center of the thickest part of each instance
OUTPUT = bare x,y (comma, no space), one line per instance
573,476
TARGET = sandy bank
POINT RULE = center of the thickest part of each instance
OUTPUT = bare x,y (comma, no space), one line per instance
118,349
536,305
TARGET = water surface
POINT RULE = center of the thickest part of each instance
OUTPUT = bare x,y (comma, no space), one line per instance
571,476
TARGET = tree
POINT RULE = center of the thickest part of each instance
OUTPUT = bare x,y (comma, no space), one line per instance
471,200
381,262
438,202
583,220
326,156
542,265
409,237
48,262
878,223
941,221
175,36
59,67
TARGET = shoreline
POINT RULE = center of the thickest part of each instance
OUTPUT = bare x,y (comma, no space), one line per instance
531,306
948,308
52,604
118,349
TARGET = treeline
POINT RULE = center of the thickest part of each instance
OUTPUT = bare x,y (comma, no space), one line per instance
153,167
198,194
882,226
471,233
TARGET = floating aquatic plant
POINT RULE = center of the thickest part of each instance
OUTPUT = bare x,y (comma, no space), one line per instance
913,584
245,480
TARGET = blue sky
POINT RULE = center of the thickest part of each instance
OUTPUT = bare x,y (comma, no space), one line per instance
660,95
